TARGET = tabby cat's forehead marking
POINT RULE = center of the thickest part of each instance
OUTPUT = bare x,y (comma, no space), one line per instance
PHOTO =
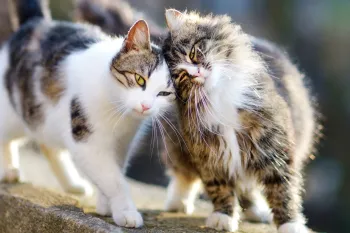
218,39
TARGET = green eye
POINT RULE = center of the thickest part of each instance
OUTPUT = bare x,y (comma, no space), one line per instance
140,80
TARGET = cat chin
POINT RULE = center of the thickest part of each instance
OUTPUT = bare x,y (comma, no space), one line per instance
139,115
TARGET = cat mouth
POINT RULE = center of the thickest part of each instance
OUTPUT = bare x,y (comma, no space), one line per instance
138,113
199,80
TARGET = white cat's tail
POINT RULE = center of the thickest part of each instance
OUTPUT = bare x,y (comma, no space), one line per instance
26,10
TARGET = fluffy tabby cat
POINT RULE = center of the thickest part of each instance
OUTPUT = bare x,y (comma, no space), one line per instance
245,119
71,87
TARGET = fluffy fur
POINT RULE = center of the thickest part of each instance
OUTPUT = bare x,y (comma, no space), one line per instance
71,87
245,121
114,17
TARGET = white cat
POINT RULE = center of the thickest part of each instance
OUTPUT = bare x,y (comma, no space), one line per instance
71,87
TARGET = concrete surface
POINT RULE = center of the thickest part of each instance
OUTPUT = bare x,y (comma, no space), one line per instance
43,207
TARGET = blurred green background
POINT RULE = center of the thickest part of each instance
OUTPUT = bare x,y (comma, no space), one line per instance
316,33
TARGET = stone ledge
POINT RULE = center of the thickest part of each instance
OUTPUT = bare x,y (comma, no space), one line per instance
26,209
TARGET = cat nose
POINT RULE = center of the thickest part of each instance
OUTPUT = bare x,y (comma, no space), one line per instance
198,73
145,107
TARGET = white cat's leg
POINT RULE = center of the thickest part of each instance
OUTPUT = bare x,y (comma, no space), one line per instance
182,193
64,170
9,167
102,204
103,170
10,128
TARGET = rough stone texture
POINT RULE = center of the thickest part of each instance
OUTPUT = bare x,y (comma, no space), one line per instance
26,209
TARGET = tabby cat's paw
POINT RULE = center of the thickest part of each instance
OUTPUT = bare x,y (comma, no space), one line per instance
128,218
10,176
293,227
219,221
179,206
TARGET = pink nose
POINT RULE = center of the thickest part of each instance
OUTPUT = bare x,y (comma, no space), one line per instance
145,107
198,73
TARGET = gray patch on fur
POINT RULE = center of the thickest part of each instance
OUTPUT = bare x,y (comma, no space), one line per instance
41,45
81,129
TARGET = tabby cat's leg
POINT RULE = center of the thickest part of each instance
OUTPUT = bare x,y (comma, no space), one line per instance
9,167
283,191
254,204
184,183
226,207
182,192
64,170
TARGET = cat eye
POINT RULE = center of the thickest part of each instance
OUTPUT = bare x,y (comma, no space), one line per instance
140,80
193,53
164,93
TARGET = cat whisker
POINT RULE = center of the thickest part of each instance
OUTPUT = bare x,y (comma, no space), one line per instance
161,129
201,132
121,117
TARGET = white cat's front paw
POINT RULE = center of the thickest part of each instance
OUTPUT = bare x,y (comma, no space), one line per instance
219,221
179,206
293,227
10,176
128,218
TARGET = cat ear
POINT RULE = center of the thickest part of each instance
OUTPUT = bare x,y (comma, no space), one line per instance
174,19
138,37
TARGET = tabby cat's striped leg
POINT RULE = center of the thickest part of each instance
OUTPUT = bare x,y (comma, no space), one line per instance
254,205
226,207
283,190
184,183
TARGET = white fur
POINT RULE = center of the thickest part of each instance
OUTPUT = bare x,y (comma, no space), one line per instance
259,211
174,19
103,156
297,226
181,195
8,170
219,221
102,204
